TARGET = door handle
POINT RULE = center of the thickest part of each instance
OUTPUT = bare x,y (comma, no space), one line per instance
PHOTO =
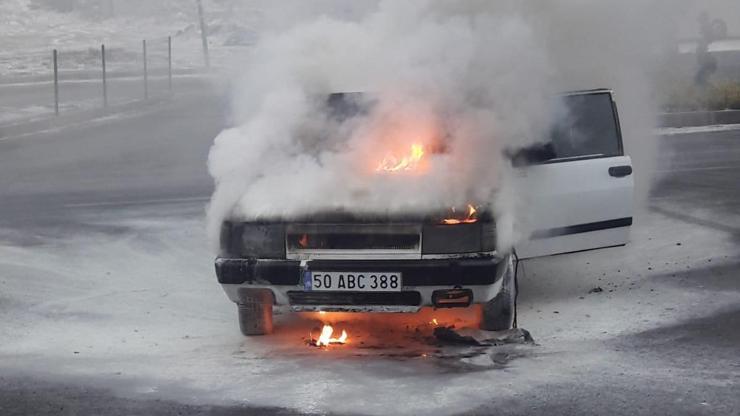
620,171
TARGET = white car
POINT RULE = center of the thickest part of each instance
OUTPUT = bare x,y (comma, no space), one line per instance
579,187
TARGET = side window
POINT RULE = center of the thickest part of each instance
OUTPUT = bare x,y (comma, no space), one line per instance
586,127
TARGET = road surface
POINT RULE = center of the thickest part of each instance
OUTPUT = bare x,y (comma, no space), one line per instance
24,100
110,306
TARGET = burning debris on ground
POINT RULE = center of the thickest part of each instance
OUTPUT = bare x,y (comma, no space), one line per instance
403,337
325,337
450,336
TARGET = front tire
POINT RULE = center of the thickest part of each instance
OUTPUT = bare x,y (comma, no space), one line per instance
255,312
499,313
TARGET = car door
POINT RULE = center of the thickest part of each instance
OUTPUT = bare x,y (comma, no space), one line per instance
577,190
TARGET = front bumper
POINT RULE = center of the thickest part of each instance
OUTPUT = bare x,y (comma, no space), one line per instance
480,276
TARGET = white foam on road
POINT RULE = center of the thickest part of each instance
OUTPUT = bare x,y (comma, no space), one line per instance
138,310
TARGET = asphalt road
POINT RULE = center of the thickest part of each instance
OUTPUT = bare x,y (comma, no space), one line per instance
19,101
662,337
155,155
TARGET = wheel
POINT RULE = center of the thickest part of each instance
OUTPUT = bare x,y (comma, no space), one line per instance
255,312
500,312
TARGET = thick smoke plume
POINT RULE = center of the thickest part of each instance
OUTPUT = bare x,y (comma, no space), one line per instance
466,80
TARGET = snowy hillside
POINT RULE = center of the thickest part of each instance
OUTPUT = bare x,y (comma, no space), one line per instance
30,29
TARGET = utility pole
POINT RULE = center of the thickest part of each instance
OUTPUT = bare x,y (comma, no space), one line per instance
203,34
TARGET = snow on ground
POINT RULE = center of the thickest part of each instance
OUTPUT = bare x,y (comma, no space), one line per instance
29,34
10,113
725,45
127,299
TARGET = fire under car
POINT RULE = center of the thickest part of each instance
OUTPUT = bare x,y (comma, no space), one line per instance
580,189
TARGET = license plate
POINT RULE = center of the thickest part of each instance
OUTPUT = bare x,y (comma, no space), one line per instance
352,281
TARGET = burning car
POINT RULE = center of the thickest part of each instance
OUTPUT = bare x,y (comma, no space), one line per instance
580,186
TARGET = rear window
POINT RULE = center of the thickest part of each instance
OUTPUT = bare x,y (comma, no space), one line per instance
586,126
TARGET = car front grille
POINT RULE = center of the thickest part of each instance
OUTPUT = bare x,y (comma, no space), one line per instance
408,298
327,240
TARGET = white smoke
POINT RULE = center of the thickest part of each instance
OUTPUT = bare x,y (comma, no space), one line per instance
471,77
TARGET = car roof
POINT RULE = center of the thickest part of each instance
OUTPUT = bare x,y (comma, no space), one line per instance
339,95
591,91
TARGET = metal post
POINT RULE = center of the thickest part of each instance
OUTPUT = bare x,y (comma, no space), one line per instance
203,34
56,84
146,75
169,62
105,80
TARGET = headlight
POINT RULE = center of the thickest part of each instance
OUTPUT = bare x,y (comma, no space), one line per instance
253,240
458,238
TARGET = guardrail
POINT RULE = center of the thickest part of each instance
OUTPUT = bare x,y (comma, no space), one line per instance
699,118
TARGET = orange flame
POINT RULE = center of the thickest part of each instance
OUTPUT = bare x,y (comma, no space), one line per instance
472,211
303,241
392,163
325,339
